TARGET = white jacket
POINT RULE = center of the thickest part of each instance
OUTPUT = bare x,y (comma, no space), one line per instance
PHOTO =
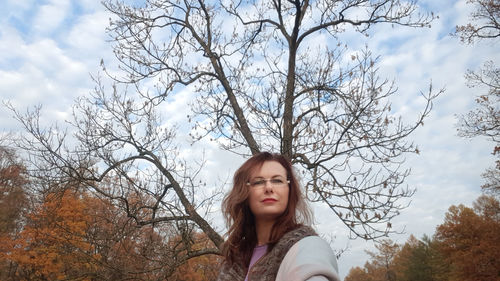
310,259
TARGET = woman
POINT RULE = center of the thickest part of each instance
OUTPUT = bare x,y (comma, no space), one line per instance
268,237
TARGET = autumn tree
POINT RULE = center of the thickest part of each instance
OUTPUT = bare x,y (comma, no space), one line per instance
151,252
469,240
403,260
52,245
202,268
415,260
13,183
126,251
383,260
484,120
420,260
380,267
464,247
13,204
79,236
269,75
358,274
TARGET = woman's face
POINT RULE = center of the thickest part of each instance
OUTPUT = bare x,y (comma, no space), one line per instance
269,190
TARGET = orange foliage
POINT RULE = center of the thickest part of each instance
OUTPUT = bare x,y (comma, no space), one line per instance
79,237
465,247
358,274
128,251
202,268
470,240
52,246
381,266
13,203
12,192
74,235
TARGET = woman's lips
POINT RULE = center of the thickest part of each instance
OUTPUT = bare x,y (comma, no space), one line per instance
269,200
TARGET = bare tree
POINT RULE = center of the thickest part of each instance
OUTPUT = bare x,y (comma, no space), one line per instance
484,120
485,23
123,154
268,75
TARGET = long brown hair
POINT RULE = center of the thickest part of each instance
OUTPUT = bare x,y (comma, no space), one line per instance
242,237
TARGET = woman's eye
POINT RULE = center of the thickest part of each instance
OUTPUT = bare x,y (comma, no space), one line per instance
276,181
259,182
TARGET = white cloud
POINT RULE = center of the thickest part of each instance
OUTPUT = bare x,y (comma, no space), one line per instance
11,47
87,38
38,72
50,16
90,5
22,4
14,9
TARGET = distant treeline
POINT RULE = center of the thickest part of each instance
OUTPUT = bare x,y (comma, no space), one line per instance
465,247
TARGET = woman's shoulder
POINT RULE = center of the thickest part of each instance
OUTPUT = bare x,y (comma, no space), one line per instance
310,256
313,240
313,248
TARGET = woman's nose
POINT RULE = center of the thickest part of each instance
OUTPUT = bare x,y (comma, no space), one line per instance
268,186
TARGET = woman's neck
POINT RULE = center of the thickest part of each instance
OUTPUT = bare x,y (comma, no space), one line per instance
263,229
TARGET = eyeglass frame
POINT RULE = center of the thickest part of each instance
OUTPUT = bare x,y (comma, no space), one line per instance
270,182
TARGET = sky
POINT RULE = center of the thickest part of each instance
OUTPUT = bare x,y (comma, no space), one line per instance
49,49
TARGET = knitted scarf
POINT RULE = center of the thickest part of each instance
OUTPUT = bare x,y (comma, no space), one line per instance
266,268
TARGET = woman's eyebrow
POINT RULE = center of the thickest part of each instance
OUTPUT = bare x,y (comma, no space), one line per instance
275,176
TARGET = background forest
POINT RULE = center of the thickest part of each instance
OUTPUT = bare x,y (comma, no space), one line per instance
71,234
388,110
464,247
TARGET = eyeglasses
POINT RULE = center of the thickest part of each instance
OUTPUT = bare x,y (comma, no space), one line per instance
275,182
